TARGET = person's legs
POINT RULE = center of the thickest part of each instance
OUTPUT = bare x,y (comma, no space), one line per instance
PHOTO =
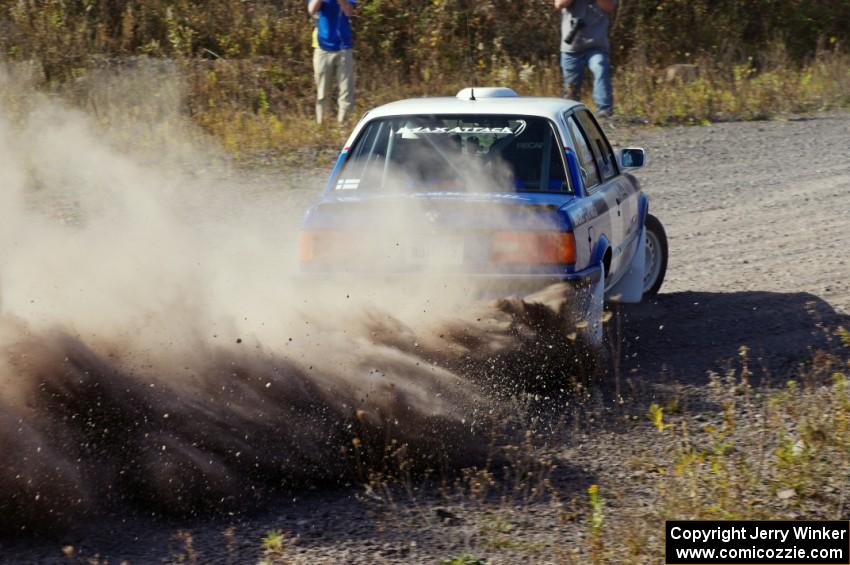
322,61
600,66
345,80
572,66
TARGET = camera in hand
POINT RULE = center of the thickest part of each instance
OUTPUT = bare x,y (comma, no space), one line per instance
577,25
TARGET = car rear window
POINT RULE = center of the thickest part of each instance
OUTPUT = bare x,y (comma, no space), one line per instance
478,153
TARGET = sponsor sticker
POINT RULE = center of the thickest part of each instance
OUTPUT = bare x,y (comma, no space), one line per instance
465,130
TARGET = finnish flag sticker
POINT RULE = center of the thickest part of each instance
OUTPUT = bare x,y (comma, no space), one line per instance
348,184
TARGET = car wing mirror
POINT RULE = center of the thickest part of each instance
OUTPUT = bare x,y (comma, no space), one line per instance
631,158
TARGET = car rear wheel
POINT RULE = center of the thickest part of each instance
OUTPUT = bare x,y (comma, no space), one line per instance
655,261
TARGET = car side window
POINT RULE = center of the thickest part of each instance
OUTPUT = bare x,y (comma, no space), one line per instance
601,148
557,172
585,155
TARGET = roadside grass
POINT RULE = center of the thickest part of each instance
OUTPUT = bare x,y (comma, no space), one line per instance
245,107
755,452
643,96
735,92
275,547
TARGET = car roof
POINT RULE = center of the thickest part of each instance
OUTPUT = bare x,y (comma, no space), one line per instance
499,105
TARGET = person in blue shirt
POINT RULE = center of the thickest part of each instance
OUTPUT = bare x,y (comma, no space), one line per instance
332,55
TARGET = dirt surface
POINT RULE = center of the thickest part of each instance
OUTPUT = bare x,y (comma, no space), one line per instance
758,220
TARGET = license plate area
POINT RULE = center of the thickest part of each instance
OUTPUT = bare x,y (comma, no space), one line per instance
435,252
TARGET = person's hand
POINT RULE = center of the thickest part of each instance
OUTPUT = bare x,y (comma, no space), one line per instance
561,4
607,6
346,7
313,6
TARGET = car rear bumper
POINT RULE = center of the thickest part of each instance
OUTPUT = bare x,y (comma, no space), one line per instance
499,284
586,306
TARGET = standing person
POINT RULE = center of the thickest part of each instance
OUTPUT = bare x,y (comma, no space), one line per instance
584,43
332,55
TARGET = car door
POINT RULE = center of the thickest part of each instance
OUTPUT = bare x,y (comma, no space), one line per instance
619,194
599,193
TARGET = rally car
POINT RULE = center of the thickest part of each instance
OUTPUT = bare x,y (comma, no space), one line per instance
512,191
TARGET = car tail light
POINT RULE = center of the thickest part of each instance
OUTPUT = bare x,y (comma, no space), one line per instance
324,245
533,247
306,248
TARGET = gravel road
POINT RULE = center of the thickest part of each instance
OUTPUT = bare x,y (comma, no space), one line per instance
755,206
758,220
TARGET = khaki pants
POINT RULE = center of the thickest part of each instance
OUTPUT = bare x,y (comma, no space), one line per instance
328,65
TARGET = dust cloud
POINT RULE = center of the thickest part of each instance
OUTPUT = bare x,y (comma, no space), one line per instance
159,352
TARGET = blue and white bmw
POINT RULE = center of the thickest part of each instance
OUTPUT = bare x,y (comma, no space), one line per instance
516,191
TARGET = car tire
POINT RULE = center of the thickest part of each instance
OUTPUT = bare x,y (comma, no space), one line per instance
656,257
